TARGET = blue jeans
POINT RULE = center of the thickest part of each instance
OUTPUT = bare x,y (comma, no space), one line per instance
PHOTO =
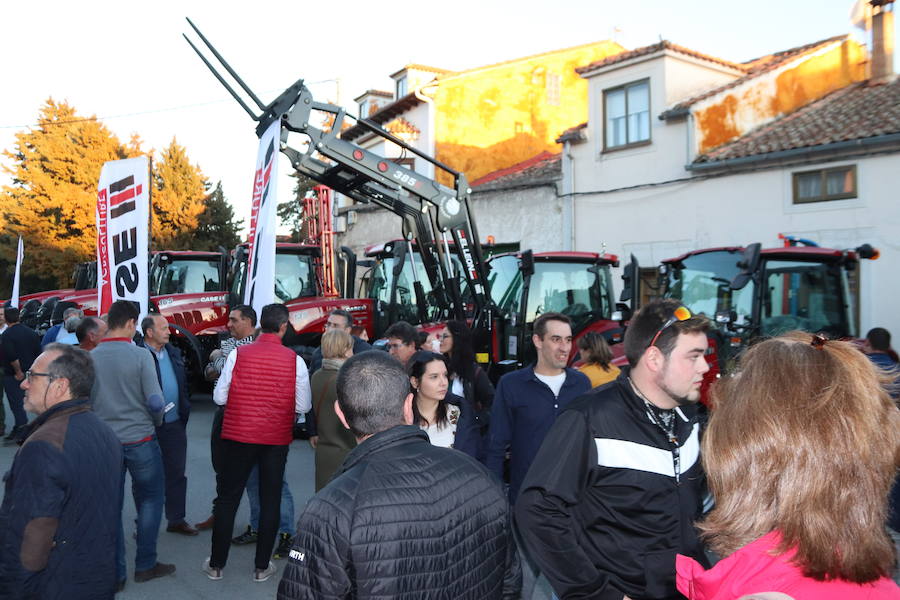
144,461
286,523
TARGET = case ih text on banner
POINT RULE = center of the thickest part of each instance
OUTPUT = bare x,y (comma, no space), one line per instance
260,288
123,223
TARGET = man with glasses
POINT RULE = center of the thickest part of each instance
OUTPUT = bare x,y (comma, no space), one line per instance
341,320
58,519
616,486
403,341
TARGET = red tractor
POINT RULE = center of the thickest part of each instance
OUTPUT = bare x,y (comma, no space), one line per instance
751,292
524,285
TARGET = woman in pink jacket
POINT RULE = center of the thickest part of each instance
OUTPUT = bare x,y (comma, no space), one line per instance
801,450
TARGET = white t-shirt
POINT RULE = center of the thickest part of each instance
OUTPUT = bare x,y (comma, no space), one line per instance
446,435
456,386
554,382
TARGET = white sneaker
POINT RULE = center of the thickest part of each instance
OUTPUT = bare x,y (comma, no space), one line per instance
213,573
264,574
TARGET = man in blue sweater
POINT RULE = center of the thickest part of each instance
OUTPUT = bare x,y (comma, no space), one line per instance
527,401
128,398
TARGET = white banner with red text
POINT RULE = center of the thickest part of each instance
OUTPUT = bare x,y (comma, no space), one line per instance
123,224
260,287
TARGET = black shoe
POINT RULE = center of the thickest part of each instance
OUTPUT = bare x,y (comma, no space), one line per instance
158,570
120,586
285,541
13,434
248,537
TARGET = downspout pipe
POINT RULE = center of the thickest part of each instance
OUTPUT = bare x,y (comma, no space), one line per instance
568,187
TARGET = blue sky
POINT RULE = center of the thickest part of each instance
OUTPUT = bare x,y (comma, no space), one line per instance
127,63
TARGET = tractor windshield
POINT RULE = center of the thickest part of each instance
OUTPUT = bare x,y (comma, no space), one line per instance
577,289
183,275
701,282
294,276
812,296
406,308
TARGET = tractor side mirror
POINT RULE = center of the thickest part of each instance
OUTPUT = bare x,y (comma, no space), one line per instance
749,265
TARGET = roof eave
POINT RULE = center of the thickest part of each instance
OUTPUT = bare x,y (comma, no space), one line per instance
836,150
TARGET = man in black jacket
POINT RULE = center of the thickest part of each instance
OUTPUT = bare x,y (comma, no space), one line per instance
617,484
401,517
172,433
58,522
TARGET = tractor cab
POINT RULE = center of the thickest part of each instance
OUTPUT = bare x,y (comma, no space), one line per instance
525,285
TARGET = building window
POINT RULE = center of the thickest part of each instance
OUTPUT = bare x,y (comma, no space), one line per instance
553,89
364,109
821,185
518,128
401,87
627,114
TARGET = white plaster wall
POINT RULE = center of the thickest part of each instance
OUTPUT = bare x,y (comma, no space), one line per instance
533,217
661,222
686,77
662,160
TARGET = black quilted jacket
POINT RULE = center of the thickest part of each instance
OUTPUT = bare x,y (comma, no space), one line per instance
405,519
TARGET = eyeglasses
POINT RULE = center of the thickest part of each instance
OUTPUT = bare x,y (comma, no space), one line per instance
29,375
681,314
445,336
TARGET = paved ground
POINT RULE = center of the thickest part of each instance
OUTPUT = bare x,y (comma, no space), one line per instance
187,553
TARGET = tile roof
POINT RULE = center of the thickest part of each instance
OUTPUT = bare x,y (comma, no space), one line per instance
858,111
542,168
418,67
382,116
652,49
402,126
752,68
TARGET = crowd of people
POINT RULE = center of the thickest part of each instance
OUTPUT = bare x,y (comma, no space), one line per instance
613,483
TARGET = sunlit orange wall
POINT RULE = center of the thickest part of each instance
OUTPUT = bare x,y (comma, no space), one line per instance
738,111
477,113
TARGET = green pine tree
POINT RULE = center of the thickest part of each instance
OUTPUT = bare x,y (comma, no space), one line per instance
216,225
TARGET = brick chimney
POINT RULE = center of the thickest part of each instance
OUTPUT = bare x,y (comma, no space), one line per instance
882,40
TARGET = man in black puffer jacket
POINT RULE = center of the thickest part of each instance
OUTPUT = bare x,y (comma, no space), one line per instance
401,517
60,512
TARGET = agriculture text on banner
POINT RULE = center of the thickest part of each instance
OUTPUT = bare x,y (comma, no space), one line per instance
260,288
123,224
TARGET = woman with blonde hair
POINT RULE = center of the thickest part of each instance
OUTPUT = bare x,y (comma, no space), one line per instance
596,355
334,441
802,446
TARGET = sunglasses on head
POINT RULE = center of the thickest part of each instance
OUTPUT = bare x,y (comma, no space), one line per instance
681,314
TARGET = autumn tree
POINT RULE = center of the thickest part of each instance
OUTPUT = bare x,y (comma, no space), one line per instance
216,224
178,199
52,199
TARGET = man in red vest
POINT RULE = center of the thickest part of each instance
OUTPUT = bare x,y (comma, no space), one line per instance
262,386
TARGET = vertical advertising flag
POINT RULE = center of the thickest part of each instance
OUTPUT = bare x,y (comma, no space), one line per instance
20,254
260,278
123,224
